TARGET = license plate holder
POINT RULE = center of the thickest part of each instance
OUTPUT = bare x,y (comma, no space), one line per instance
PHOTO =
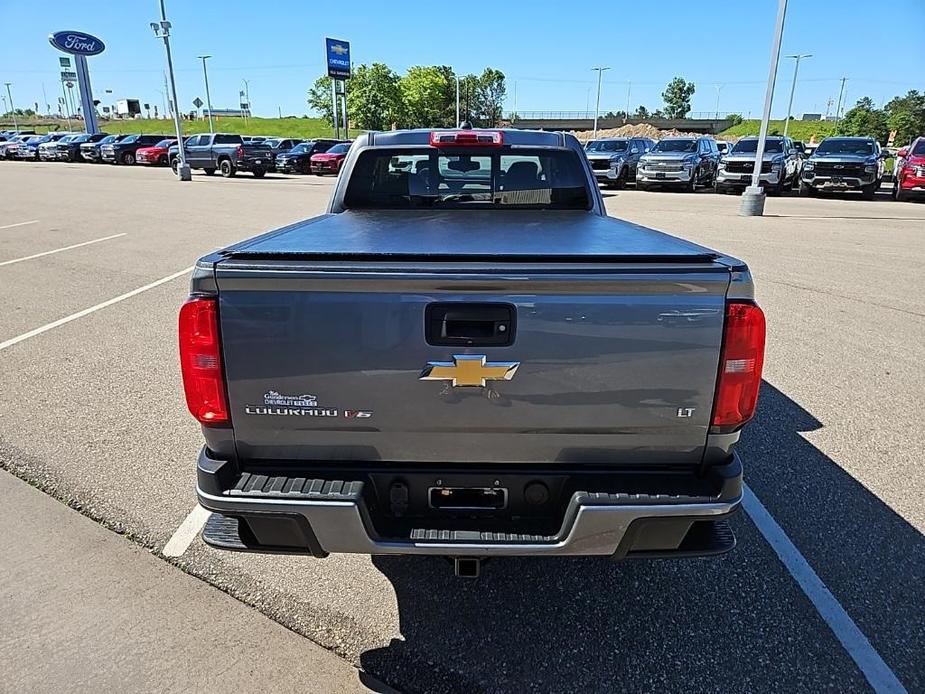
660,174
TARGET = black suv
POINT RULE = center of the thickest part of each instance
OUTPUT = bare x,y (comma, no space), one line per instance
844,164
298,159
679,161
123,151
69,148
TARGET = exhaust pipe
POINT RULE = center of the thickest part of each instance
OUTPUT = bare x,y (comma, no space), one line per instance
467,567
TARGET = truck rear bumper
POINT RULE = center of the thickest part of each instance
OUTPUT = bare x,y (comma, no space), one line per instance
279,514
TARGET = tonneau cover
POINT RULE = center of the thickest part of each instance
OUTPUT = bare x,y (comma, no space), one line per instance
511,234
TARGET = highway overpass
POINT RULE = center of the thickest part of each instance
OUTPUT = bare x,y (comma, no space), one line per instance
566,121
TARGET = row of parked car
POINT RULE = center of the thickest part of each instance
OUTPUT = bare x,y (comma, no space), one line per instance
222,152
836,164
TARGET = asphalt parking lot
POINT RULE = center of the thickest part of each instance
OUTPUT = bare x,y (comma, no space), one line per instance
92,412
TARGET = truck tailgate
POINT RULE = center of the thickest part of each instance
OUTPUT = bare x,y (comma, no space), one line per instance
616,362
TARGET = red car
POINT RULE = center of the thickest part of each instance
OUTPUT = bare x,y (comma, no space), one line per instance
329,162
156,155
909,179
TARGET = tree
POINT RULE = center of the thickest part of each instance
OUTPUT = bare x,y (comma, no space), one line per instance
319,98
865,120
906,115
491,93
425,93
374,97
642,112
677,96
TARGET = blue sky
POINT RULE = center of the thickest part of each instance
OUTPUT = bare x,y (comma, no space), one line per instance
547,48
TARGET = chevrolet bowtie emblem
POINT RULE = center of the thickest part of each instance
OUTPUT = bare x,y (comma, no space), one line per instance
469,370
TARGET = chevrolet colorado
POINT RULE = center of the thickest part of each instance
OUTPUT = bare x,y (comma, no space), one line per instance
466,357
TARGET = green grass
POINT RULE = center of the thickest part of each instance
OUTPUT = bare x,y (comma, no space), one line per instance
798,130
282,127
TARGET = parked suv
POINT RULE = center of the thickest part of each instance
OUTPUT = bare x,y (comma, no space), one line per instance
90,151
909,172
124,151
679,161
614,159
844,164
298,159
68,148
780,165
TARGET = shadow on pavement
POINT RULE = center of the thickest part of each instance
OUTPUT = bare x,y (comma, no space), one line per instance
736,623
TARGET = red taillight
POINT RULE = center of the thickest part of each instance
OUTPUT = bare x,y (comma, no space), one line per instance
201,361
466,138
739,366
240,152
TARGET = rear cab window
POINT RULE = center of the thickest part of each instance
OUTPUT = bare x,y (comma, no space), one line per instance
476,178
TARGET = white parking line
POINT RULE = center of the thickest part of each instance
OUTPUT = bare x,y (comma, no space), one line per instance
18,224
187,532
58,250
877,672
87,311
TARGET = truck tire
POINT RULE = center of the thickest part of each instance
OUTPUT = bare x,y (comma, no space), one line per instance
209,171
175,165
162,160
870,192
259,173
901,195
807,191
691,185
226,167
128,158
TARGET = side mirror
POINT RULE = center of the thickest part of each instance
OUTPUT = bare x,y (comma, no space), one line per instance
904,152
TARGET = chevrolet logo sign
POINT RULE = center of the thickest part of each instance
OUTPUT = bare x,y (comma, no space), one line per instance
469,370
338,48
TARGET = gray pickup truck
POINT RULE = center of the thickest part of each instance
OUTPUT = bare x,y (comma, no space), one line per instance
224,153
466,357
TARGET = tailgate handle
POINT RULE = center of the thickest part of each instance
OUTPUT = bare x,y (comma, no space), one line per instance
464,324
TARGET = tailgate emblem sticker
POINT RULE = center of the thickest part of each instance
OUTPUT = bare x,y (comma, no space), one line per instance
271,397
469,370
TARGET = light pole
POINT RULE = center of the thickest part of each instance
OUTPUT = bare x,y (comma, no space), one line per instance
457,98
793,87
162,30
247,96
12,108
719,88
205,76
597,104
752,204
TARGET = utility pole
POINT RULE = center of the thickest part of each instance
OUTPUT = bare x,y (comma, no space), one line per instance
514,115
45,99
629,90
12,108
841,93
205,75
162,30
796,67
457,98
597,104
752,204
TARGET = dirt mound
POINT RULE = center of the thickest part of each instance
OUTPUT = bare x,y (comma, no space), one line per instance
641,130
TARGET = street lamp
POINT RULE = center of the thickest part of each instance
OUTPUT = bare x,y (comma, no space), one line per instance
719,88
162,30
597,105
752,204
793,87
457,97
205,75
12,108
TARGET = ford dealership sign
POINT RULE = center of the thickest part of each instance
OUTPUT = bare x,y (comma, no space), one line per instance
76,43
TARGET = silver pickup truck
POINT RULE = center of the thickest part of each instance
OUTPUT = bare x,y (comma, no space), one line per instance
466,357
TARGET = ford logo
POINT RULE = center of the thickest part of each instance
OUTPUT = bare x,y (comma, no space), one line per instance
76,43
